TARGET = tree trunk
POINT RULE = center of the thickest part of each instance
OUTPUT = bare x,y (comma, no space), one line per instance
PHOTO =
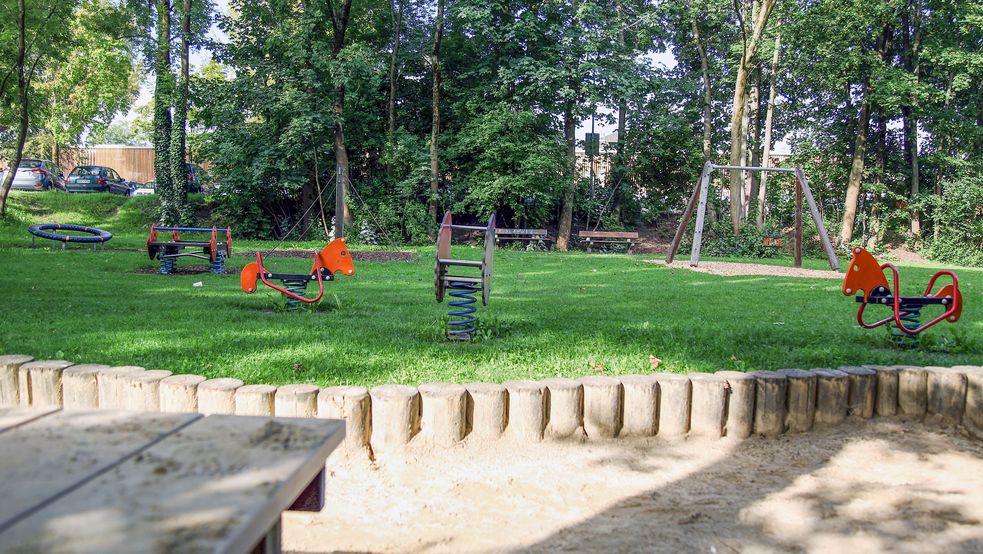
22,89
566,210
707,93
339,24
759,216
912,47
860,148
755,142
438,33
740,104
179,170
170,213
391,111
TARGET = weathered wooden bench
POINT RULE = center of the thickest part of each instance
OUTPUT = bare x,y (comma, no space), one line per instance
629,238
107,481
528,235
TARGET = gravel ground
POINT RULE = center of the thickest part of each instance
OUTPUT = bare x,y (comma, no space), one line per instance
731,269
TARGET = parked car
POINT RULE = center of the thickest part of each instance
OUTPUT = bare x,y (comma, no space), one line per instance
143,189
96,178
37,175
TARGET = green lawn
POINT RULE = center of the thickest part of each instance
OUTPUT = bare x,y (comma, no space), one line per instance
551,314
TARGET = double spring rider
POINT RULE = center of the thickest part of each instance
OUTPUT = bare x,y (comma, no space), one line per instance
332,259
168,251
461,325
866,275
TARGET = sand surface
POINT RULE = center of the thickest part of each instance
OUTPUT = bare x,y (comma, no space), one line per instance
733,268
882,486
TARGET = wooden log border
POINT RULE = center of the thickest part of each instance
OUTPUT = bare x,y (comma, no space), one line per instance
601,408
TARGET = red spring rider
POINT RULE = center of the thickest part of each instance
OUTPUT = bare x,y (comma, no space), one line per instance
865,278
334,258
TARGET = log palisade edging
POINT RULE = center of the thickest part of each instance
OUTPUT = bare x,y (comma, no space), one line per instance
727,404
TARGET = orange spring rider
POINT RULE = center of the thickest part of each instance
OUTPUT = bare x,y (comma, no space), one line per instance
865,278
332,259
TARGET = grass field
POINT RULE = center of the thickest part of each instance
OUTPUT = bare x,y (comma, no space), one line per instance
551,314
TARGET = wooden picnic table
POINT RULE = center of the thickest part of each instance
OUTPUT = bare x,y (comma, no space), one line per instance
108,481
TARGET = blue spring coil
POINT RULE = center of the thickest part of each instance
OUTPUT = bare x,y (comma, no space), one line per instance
218,266
461,325
297,287
167,264
910,320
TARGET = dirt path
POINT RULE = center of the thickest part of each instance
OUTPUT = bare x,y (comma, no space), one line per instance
730,269
883,486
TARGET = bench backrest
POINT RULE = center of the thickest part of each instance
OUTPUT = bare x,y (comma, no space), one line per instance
521,232
608,234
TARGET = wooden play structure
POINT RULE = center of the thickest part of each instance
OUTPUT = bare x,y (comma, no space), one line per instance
461,325
698,201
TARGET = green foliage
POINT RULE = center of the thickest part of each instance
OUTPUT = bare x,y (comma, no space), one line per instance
958,221
509,164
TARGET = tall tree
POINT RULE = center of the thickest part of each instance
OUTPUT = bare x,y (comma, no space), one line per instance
438,33
178,169
759,218
170,206
45,19
339,24
759,18
860,145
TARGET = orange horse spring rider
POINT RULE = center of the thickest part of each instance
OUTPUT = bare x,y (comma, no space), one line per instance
865,274
334,258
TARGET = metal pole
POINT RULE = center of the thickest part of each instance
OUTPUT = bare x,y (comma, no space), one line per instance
798,223
694,257
339,203
750,168
834,263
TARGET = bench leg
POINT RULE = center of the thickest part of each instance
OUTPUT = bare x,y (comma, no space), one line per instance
272,542
588,246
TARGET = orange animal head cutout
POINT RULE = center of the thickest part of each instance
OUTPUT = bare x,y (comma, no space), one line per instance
335,257
248,277
863,274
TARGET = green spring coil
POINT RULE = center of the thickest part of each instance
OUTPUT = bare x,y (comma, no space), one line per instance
297,287
910,320
218,266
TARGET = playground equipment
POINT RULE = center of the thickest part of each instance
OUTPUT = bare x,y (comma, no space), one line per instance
700,192
168,251
866,275
332,259
42,230
463,288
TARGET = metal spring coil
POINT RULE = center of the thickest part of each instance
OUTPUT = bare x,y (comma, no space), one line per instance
167,265
218,266
910,320
461,325
296,286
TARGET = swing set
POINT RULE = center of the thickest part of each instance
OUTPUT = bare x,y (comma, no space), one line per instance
698,202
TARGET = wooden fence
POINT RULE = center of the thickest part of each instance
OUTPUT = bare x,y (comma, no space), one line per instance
133,163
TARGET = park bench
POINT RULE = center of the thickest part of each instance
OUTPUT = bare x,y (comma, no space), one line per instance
107,481
528,235
629,238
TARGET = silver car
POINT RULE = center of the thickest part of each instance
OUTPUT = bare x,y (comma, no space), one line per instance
37,175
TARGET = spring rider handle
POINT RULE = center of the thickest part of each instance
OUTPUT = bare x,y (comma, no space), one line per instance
317,273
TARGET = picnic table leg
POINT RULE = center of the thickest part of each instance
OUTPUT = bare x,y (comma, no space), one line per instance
272,542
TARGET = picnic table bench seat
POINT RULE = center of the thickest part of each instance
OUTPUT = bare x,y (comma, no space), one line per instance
629,238
107,481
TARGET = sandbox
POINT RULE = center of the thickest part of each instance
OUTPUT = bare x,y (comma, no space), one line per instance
887,485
